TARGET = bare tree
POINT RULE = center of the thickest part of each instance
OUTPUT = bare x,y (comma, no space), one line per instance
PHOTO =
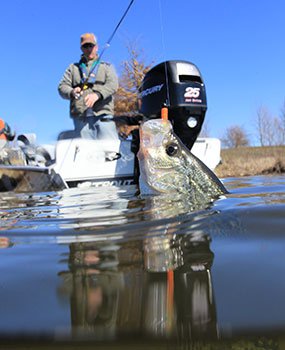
133,72
235,136
278,130
270,129
262,125
282,122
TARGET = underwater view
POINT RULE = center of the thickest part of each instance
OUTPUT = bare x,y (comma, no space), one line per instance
107,266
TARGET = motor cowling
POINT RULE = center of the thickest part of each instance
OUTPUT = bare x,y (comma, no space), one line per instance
179,86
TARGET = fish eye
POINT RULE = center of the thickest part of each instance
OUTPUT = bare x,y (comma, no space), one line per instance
172,149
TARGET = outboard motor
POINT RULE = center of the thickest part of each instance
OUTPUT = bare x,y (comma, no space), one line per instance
179,86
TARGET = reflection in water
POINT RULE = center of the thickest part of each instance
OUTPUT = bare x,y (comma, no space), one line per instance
159,286
179,289
5,242
143,266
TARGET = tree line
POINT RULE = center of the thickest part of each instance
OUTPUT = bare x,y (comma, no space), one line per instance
269,130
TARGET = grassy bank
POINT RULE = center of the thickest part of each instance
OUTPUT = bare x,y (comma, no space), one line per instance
249,161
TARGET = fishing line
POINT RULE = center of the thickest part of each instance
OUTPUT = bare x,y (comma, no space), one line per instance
164,116
167,102
108,43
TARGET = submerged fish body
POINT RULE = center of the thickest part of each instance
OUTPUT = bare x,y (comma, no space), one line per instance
167,166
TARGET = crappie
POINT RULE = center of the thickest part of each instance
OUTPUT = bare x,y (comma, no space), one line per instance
167,166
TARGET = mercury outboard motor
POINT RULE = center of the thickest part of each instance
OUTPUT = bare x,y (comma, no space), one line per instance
179,86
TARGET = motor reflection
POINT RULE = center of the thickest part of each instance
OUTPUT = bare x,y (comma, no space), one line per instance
156,287
179,289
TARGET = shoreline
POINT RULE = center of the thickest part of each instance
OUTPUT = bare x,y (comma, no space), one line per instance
251,161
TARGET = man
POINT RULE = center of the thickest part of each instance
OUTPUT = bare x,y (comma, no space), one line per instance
90,86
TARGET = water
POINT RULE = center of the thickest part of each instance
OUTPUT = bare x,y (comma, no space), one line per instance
104,265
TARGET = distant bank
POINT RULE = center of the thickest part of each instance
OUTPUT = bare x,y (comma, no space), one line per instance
249,161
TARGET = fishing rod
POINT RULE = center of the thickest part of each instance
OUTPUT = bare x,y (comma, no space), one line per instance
107,45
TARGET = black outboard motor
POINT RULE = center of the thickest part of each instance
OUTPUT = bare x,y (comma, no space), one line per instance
179,86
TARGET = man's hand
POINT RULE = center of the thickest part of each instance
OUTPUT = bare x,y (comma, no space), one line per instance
91,99
76,92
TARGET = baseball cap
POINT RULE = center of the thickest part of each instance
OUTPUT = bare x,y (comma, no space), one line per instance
88,38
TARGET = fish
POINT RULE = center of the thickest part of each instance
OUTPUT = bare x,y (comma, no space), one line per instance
167,166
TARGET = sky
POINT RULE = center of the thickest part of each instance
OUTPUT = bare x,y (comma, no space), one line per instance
238,45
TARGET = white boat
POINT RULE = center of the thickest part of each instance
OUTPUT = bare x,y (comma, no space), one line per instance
74,161
102,162
92,163
106,163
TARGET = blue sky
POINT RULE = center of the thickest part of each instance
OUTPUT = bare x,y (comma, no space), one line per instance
238,46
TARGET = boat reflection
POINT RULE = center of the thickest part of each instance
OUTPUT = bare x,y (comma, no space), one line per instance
156,287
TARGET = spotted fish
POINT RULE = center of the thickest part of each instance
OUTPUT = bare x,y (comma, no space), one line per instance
167,166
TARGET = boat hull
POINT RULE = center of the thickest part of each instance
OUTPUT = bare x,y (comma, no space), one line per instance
29,179
102,162
96,163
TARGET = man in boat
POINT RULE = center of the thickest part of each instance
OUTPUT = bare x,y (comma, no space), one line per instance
90,86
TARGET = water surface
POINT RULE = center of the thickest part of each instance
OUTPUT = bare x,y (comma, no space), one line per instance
105,265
